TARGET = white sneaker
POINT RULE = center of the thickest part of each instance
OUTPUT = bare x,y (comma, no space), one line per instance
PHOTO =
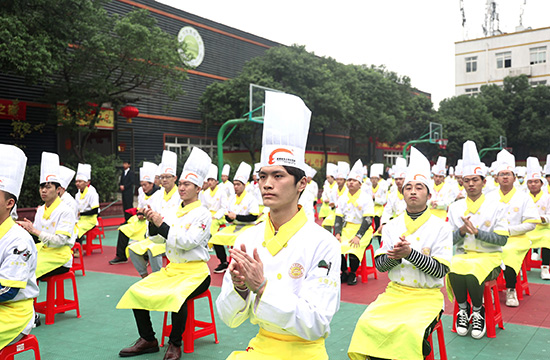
535,256
478,324
462,322
545,272
511,298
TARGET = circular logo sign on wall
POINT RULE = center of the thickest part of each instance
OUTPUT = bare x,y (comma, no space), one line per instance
195,46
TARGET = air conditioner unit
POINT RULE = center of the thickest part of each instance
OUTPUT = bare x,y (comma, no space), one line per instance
526,70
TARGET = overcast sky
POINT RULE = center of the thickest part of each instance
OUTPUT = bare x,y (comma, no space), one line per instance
412,38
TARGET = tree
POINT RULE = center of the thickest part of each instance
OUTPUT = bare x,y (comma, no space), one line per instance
97,58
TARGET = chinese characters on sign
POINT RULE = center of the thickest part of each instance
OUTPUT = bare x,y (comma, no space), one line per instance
13,109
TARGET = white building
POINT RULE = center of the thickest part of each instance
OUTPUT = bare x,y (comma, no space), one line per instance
489,60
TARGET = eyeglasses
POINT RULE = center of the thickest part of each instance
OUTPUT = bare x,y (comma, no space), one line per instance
166,177
506,174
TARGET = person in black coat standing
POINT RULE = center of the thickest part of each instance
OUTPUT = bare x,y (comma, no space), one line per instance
127,188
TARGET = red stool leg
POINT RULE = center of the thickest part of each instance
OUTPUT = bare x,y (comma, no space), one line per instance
75,296
165,329
189,333
493,314
212,317
50,301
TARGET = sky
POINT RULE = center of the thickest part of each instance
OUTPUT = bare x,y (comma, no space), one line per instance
413,38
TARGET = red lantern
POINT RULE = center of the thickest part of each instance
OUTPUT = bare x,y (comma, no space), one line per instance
129,112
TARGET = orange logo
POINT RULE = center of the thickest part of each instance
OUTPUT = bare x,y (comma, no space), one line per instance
48,177
417,176
166,171
476,169
271,161
534,176
190,174
146,178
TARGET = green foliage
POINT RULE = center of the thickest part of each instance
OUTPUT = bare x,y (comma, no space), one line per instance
29,196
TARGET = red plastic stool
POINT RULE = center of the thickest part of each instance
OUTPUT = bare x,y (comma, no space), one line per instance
364,271
190,334
78,265
493,314
522,283
89,238
440,341
55,297
532,263
27,342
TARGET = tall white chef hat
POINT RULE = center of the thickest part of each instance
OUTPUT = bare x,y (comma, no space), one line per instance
439,167
505,162
400,168
147,172
169,163
310,171
521,171
84,172
332,169
12,169
49,168
257,168
66,175
212,172
418,169
226,169
458,169
286,126
534,170
471,164
356,172
343,170
196,167
376,170
243,173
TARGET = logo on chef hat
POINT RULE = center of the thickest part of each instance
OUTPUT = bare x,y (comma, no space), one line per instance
282,155
419,177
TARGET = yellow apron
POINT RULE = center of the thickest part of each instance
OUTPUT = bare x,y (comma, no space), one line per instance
216,223
134,229
329,219
378,210
393,326
540,237
49,259
142,246
474,263
348,233
324,211
271,346
440,213
167,289
15,316
515,250
85,223
228,234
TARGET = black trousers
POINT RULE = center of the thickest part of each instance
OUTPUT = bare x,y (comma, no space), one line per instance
121,245
468,284
60,270
127,202
353,263
220,253
145,327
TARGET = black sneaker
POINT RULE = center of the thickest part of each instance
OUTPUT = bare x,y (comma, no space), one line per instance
463,321
221,268
343,277
118,260
37,322
352,279
478,323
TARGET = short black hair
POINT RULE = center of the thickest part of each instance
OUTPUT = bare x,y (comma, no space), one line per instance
56,184
294,171
8,196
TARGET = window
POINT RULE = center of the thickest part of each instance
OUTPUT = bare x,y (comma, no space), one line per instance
320,148
390,156
504,60
538,55
471,91
181,143
471,64
540,82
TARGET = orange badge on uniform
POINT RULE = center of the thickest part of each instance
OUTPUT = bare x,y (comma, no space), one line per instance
296,271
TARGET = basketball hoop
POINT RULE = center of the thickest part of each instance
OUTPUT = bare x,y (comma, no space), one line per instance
442,143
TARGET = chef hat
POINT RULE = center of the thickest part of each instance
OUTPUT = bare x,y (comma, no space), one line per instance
418,169
257,168
439,168
196,167
534,170
365,170
12,169
84,172
225,170
66,175
505,162
49,168
376,170
169,163
356,172
493,167
400,168
546,169
310,172
147,172
286,125
212,172
458,169
471,164
451,170
521,171
243,173
343,170
332,169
